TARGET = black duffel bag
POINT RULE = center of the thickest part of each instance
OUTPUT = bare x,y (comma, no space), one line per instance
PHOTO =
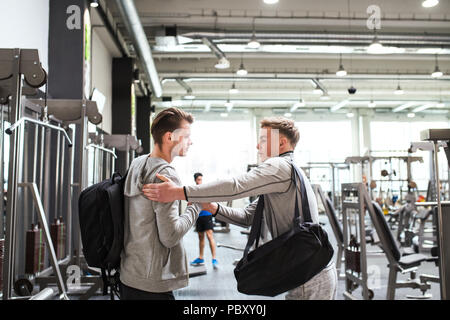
287,261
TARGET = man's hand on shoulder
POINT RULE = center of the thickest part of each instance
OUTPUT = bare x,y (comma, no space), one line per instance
210,207
167,191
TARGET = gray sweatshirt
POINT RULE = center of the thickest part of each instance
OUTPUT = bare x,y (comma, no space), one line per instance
153,258
273,179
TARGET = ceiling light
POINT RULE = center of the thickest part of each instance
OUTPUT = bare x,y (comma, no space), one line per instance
437,73
411,115
372,104
317,90
375,46
440,104
398,90
270,1
224,115
341,71
233,89
325,96
288,114
94,3
241,71
223,63
254,44
350,115
189,95
429,3
228,105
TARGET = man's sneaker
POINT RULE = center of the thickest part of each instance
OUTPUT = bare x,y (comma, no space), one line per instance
198,262
215,264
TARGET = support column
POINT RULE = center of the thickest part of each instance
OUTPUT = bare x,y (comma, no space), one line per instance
122,103
143,113
69,78
356,146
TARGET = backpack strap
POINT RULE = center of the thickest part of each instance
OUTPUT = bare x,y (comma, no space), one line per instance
105,282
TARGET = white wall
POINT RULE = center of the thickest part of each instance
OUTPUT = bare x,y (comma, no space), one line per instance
101,76
24,24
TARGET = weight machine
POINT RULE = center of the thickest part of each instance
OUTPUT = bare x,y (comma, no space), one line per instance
43,136
355,203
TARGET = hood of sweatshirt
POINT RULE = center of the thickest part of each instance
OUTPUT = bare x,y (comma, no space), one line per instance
142,170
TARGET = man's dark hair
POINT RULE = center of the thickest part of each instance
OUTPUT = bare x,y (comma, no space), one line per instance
168,120
196,175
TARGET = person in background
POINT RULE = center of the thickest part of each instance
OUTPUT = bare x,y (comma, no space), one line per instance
204,226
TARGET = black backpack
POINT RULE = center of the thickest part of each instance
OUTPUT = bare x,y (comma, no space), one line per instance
101,214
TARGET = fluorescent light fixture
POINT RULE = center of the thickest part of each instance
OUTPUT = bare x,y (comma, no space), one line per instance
411,115
228,105
254,44
338,106
270,1
233,89
372,104
241,71
430,3
421,108
224,115
350,115
403,106
399,90
223,63
94,3
437,73
440,104
288,114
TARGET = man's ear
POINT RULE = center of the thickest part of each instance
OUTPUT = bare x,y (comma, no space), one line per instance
167,136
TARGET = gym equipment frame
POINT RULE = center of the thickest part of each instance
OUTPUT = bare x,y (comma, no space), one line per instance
443,210
356,200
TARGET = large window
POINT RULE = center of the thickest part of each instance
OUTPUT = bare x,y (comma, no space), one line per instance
397,136
324,141
220,149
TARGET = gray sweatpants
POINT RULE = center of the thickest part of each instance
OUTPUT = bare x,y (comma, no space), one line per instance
323,286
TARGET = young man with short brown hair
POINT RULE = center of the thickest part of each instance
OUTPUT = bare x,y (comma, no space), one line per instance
153,261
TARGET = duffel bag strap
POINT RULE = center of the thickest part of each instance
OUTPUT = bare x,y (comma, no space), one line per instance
306,213
255,231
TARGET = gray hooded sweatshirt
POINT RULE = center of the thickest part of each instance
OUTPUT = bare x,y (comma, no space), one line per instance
153,258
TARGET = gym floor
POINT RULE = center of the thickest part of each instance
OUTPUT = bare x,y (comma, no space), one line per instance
221,284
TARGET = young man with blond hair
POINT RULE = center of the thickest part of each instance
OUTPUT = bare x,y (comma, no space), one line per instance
273,179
